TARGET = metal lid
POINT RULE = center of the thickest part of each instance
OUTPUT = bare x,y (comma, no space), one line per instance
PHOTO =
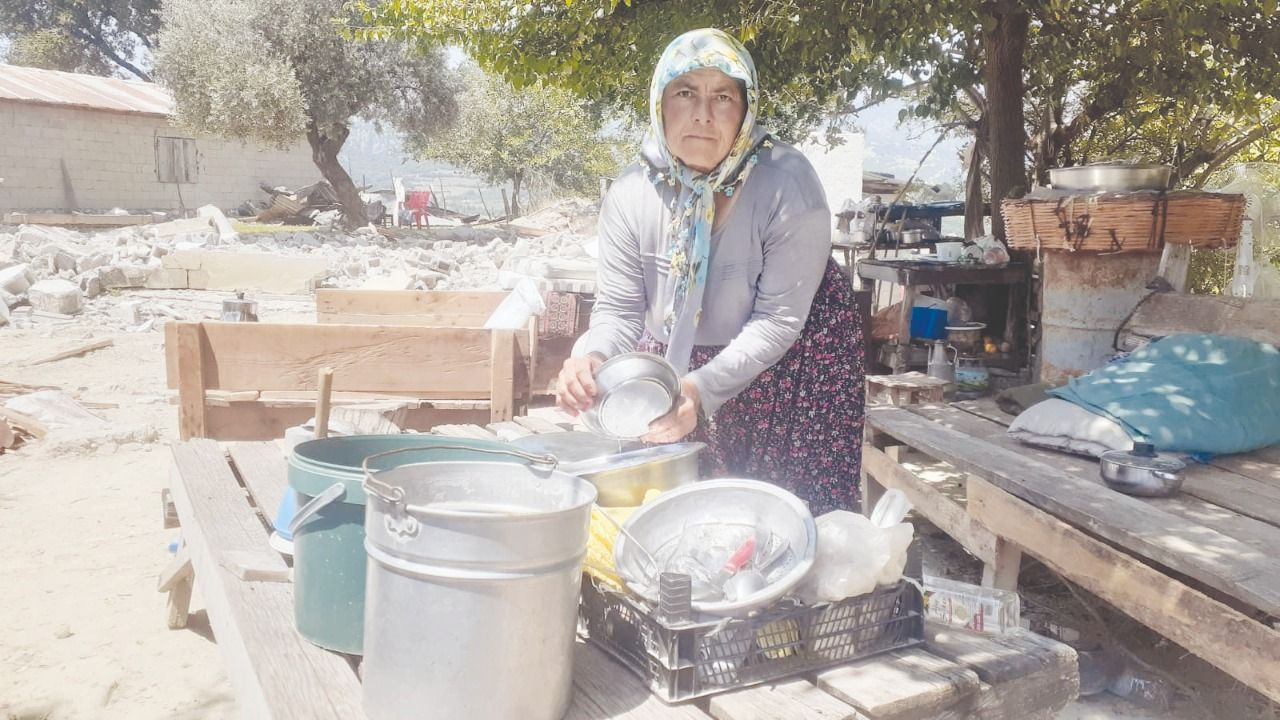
1144,457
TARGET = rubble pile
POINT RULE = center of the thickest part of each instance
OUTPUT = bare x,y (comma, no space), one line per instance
61,273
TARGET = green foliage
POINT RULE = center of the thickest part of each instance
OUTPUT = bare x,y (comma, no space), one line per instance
55,50
92,36
535,134
1092,67
268,69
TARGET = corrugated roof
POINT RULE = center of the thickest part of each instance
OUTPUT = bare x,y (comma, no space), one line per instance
51,87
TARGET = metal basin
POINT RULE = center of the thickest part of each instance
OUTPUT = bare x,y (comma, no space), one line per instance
1114,177
621,478
660,524
632,390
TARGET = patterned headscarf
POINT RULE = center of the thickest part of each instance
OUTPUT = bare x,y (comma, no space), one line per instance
688,241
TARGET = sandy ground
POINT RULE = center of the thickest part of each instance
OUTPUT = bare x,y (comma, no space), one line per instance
82,628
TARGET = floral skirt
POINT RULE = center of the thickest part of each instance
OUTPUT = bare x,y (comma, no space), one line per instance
799,424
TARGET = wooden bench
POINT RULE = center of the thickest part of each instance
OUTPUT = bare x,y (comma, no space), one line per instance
1198,568
447,309
224,501
250,381
905,389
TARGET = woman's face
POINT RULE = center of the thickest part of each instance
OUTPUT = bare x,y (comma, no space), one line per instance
702,111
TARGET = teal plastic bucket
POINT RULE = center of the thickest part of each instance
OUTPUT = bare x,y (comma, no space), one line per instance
329,559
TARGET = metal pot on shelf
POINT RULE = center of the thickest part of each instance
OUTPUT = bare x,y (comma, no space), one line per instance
1112,177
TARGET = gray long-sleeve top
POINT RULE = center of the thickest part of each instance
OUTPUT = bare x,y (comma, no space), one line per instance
767,260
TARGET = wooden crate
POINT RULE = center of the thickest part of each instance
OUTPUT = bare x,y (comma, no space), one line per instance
247,381
1124,222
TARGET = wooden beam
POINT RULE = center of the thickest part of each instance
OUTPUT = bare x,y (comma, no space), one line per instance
253,621
909,684
1217,560
1244,648
1175,261
264,471
190,354
445,363
783,700
73,352
949,516
502,379
424,308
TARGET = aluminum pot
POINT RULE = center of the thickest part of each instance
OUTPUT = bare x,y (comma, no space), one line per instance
1142,472
474,574
621,478
1114,177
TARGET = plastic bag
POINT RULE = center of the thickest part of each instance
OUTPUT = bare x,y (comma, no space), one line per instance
854,555
986,250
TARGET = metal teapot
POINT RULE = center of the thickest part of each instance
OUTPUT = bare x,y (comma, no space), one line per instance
941,365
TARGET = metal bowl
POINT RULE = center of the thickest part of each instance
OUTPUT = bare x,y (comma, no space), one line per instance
621,478
659,524
1142,472
632,390
1114,177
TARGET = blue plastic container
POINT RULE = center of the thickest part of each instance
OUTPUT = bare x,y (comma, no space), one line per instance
928,323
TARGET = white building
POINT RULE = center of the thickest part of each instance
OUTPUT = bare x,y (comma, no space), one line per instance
71,141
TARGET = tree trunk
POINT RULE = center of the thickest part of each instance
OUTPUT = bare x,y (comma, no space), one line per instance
974,227
516,179
324,153
1005,38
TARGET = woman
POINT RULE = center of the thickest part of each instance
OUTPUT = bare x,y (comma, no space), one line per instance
715,251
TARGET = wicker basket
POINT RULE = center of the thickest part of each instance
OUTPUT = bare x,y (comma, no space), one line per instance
1124,222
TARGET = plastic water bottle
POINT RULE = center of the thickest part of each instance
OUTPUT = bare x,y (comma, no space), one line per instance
1142,689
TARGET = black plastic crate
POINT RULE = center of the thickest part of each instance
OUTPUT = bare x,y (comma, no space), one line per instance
712,657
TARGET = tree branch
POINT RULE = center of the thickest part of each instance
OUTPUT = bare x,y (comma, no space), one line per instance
1223,154
106,50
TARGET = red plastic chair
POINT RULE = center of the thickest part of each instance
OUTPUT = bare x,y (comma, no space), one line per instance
418,201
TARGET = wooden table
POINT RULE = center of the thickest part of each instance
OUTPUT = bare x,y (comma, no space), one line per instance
911,274
1200,568
224,495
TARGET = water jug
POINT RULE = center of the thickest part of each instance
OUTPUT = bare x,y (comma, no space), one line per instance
940,364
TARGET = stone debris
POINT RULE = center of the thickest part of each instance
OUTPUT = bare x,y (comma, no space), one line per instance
56,295
207,253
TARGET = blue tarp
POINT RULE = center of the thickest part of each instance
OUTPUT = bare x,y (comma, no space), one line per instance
1193,393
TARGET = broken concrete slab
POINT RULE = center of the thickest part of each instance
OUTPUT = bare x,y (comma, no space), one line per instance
398,280
226,233
54,409
168,279
56,295
123,275
93,261
184,229
4,314
90,284
128,312
16,279
261,272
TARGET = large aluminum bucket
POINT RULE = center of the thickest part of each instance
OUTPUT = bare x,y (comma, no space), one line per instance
473,580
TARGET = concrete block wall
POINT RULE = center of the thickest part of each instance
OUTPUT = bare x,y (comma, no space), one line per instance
56,157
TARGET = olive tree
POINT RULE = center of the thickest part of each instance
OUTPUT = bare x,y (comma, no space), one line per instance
535,135
276,70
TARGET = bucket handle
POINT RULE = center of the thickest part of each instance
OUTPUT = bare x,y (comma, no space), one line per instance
394,493
329,495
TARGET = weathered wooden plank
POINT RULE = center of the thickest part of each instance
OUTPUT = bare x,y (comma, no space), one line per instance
448,363
502,375
786,700
1255,533
1174,313
276,674
508,430
1219,561
187,344
910,684
605,690
1262,465
425,308
463,431
538,425
265,473
1244,648
941,510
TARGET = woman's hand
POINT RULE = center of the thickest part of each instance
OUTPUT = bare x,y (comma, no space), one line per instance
576,387
677,424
